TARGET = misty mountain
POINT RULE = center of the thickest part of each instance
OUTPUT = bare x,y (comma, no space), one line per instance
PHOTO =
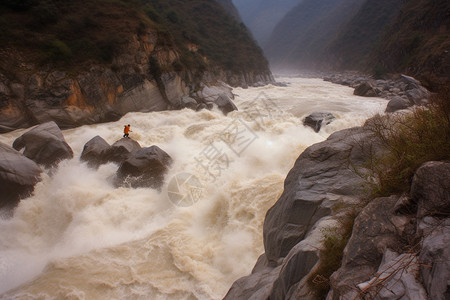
301,38
261,16
369,35
230,8
358,38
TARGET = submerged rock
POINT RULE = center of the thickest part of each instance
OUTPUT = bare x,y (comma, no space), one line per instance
145,167
18,176
188,102
44,144
317,119
225,104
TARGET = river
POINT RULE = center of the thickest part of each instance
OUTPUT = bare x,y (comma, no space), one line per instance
78,237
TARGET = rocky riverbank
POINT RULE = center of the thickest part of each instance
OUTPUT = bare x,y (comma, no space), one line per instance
402,91
397,249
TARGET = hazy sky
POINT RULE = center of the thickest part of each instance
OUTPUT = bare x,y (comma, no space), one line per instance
261,16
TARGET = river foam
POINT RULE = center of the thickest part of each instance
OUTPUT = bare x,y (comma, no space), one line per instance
78,237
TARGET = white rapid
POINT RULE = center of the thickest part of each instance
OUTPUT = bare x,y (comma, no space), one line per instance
78,237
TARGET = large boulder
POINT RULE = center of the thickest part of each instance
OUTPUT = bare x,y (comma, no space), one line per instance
430,189
418,96
188,102
376,229
322,176
97,151
395,279
18,175
119,151
257,285
397,103
145,167
209,93
317,119
434,257
225,104
366,89
93,151
44,144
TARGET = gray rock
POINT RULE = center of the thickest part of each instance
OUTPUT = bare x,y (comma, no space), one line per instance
376,229
365,89
317,119
397,103
257,285
418,96
119,151
93,151
212,92
188,102
430,189
395,279
321,176
145,167
225,104
44,144
18,175
409,80
201,106
297,265
434,257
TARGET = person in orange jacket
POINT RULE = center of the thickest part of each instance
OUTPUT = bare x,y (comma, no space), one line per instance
126,130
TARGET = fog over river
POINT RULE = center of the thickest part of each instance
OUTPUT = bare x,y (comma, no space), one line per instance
79,237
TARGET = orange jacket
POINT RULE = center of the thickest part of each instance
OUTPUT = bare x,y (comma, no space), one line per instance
126,129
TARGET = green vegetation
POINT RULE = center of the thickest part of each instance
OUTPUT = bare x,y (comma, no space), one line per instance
411,140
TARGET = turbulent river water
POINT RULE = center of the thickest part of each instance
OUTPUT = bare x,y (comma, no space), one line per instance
79,237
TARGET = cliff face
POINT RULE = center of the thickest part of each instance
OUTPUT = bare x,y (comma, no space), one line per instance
81,63
397,247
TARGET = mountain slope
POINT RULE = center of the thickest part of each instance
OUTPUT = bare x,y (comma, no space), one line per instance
77,62
352,46
377,36
418,42
302,36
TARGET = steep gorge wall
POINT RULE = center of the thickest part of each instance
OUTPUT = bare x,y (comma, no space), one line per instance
144,65
398,246
98,94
